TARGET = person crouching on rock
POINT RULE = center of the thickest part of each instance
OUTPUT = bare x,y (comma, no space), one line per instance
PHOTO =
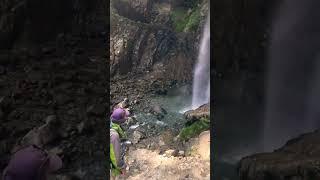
31,163
119,116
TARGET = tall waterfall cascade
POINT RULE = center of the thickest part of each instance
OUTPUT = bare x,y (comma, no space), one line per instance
201,78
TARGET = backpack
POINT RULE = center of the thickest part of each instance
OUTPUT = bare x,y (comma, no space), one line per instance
119,130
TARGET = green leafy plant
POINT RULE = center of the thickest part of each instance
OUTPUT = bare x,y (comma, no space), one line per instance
184,21
194,129
194,20
179,18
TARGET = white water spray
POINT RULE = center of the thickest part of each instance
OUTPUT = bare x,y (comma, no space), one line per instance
201,79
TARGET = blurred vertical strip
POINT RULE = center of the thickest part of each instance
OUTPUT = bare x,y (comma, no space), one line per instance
107,7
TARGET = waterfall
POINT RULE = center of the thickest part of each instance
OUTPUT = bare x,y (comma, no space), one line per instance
293,94
201,78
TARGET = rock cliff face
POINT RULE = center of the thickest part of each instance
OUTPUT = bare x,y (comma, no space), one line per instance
147,53
241,32
240,44
201,112
299,159
142,39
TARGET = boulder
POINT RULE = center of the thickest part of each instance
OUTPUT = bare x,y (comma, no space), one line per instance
204,145
44,134
171,152
123,104
298,159
201,112
158,111
137,136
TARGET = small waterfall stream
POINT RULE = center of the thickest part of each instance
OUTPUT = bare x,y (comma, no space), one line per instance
201,79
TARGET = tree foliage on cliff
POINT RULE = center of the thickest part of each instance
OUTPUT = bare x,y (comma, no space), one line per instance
185,20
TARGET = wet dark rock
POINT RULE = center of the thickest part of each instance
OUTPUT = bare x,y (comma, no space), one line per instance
96,109
35,53
2,70
4,58
35,76
161,91
62,99
1,115
158,111
78,51
48,50
299,159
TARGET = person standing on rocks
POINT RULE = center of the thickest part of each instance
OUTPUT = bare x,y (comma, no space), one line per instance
31,163
119,116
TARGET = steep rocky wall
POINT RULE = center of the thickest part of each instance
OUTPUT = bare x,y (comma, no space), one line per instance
150,56
240,44
241,32
146,41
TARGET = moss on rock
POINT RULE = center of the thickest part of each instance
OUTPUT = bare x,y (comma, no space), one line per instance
194,129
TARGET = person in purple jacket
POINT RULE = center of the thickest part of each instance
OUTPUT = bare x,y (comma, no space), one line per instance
31,163
119,116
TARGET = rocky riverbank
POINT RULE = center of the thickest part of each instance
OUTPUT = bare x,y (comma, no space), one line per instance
158,152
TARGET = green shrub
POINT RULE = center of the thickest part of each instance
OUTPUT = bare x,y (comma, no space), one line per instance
194,129
194,21
182,21
179,19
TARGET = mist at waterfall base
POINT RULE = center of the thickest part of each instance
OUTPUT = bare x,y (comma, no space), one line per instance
293,84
